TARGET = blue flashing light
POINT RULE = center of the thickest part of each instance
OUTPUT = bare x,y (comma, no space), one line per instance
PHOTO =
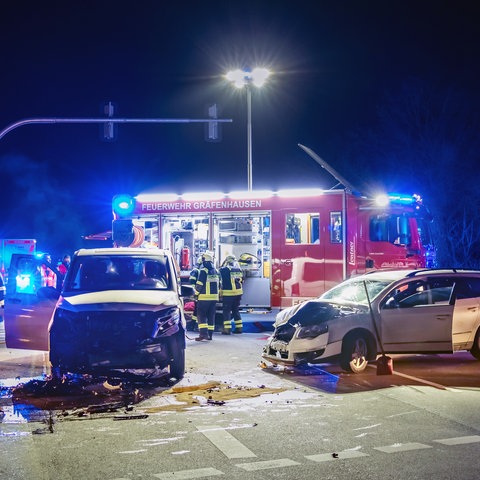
123,204
401,199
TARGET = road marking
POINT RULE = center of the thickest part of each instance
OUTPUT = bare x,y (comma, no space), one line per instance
188,474
459,440
281,462
402,447
327,457
226,442
416,379
420,380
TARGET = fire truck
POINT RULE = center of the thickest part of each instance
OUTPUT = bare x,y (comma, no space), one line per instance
292,245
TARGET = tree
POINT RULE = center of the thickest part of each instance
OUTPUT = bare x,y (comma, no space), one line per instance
426,140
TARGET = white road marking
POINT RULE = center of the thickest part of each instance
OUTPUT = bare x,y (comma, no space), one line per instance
402,447
459,440
226,442
189,474
281,462
327,457
421,380
368,427
416,379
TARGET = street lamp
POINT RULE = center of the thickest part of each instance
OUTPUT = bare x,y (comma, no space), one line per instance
240,79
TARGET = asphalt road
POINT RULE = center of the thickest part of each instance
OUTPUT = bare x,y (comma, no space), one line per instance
231,417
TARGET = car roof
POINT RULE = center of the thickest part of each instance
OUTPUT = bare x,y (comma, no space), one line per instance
382,275
393,275
147,252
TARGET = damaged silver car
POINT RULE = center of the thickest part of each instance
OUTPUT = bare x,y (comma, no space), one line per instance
119,309
421,311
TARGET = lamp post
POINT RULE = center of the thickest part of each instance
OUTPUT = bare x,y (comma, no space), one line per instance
240,79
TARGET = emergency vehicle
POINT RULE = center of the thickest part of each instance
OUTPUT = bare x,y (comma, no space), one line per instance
292,245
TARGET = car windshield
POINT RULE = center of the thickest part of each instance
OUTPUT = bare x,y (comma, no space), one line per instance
115,272
354,291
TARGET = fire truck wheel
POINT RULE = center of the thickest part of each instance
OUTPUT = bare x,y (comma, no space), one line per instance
177,357
475,350
354,357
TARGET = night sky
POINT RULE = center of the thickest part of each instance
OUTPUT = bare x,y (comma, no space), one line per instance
333,61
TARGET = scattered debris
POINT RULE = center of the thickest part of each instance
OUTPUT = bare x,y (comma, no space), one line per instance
211,393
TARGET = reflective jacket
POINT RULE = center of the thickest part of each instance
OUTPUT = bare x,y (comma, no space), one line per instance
232,280
208,284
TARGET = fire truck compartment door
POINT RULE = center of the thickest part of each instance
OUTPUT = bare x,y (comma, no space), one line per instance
28,308
302,263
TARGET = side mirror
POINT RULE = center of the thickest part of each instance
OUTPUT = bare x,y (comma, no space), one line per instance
187,290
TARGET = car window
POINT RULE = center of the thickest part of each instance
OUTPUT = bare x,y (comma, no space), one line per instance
468,287
355,291
416,293
116,272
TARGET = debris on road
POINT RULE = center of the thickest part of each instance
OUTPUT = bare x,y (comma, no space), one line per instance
215,393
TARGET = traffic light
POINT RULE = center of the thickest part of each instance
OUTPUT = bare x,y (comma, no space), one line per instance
122,232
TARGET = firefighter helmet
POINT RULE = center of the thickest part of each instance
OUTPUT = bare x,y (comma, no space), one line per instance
207,257
230,259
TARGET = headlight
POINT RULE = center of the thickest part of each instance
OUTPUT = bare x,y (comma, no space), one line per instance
312,331
166,320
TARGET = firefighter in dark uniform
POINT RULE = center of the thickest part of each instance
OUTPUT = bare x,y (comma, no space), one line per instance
193,280
231,276
207,290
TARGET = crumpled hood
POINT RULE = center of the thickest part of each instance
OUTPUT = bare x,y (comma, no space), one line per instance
120,300
314,312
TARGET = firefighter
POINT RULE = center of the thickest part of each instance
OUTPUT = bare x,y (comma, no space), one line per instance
193,280
231,276
207,289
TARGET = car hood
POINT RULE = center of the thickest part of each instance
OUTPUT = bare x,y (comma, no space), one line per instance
120,300
316,311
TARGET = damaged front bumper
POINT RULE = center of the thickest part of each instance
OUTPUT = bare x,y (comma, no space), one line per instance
297,351
85,342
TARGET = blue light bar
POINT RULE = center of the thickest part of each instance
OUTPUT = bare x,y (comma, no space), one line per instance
123,204
401,199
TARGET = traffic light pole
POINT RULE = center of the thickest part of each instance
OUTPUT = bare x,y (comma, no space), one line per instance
33,121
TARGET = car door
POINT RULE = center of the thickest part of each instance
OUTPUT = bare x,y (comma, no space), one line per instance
417,316
466,314
28,307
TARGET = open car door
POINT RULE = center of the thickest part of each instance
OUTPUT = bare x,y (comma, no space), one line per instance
28,306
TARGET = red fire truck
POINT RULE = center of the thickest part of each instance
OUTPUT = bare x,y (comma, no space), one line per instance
291,245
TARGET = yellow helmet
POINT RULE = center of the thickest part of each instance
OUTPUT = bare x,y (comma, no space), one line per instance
230,259
207,257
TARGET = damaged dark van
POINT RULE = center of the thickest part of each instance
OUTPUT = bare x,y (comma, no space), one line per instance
118,309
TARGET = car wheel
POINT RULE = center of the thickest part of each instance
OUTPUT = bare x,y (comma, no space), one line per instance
177,357
354,354
475,350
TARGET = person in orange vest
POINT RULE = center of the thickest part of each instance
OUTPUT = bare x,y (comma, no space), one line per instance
207,288
231,276
48,278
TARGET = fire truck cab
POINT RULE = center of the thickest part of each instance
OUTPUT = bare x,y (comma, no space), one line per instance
291,245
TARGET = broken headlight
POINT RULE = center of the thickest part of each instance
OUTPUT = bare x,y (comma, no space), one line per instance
168,318
312,331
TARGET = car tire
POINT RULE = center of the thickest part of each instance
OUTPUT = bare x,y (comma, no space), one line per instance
177,357
354,357
475,350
